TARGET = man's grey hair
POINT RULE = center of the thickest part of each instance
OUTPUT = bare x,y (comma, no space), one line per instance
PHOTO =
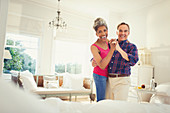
99,22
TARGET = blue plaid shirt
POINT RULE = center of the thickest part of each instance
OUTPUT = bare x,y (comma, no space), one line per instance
118,65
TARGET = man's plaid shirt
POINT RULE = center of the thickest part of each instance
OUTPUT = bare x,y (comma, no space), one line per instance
118,65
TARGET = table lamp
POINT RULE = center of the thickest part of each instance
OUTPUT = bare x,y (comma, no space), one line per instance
7,55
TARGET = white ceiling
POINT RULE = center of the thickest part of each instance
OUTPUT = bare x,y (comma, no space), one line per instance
111,5
90,6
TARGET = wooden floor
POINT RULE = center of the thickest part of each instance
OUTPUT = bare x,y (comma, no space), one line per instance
82,99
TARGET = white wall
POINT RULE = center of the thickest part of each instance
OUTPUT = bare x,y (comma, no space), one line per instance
158,38
114,20
150,29
138,26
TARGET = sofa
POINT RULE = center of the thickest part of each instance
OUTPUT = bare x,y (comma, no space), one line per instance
59,85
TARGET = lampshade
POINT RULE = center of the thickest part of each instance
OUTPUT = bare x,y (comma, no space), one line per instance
7,55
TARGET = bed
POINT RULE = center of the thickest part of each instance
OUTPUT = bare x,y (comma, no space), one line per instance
15,100
107,106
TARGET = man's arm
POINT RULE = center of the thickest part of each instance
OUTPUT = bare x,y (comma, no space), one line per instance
131,57
123,53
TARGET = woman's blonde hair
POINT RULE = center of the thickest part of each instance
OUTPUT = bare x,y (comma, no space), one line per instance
99,22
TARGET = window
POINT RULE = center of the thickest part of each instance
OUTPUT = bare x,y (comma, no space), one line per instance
24,52
69,57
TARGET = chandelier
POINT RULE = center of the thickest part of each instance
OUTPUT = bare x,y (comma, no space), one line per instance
57,22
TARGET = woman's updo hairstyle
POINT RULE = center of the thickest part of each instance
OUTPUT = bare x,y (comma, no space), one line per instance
99,22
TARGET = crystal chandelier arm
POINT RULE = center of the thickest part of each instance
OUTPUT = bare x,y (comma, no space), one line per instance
58,22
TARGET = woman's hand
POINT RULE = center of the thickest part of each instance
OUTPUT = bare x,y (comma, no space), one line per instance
94,63
113,44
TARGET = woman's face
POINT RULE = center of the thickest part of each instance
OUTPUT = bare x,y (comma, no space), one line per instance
102,33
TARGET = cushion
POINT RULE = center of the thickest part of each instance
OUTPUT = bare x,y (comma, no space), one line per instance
160,99
28,81
73,81
76,82
163,89
50,82
86,83
163,94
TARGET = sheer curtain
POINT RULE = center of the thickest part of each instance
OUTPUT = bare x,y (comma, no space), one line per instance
71,55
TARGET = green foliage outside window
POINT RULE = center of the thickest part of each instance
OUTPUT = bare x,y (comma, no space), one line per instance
60,68
70,68
15,63
20,61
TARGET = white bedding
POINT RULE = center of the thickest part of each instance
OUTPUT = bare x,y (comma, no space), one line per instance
14,100
106,106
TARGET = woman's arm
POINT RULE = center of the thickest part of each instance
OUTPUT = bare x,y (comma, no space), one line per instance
102,63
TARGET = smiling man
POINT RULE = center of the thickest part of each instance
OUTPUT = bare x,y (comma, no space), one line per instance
125,56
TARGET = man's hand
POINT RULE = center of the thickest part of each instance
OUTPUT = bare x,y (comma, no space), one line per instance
94,63
122,52
117,46
113,44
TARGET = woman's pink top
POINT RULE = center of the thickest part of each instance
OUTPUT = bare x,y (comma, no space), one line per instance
103,54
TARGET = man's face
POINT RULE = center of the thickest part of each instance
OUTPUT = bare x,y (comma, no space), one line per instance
122,32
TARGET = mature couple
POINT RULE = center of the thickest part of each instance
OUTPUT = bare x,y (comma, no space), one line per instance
112,61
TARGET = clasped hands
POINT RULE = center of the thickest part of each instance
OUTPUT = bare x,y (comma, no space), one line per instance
114,44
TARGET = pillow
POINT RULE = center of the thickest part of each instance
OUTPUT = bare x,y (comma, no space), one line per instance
66,80
162,94
160,99
28,81
50,82
73,81
76,82
27,73
87,83
163,89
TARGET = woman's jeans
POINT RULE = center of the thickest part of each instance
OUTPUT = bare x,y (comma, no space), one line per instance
100,82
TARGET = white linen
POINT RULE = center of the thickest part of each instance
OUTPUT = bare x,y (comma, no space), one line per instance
163,89
163,94
107,106
160,99
14,100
